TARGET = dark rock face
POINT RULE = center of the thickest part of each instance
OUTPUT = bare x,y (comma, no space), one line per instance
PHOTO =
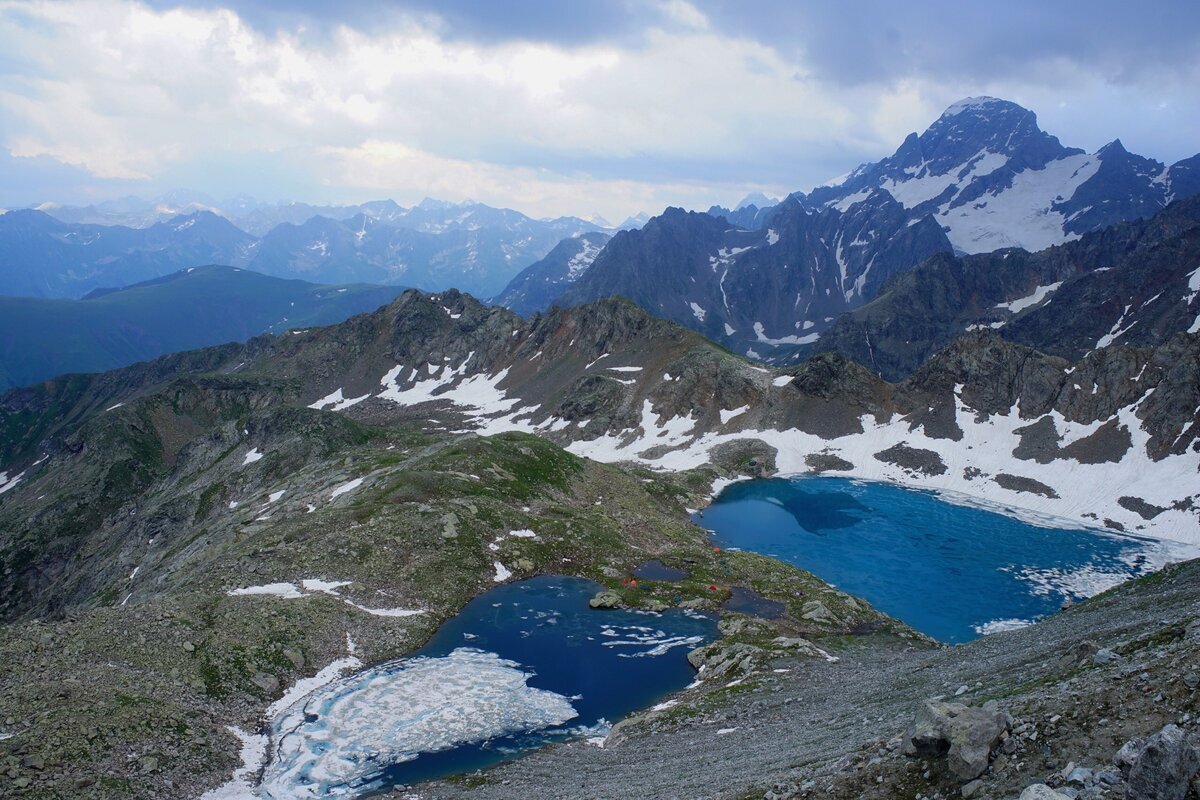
827,462
1018,483
539,285
752,457
1140,507
1130,284
750,216
914,459
756,290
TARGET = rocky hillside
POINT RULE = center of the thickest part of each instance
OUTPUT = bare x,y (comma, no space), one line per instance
1110,439
1136,283
757,290
133,502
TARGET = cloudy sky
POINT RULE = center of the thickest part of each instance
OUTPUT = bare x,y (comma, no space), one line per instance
549,106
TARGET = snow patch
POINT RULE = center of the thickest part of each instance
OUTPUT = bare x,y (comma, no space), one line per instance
1035,298
349,486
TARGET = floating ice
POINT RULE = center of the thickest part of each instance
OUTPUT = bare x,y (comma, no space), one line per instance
1001,625
343,735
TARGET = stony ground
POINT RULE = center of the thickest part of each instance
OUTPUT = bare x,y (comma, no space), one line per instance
834,729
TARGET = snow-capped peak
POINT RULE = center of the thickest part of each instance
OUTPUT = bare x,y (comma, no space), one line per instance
971,104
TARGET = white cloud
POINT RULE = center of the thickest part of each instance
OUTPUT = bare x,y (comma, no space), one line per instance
686,114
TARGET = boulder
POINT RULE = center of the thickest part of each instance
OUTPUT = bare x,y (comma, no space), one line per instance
1163,767
727,659
964,736
1040,791
816,611
605,599
265,681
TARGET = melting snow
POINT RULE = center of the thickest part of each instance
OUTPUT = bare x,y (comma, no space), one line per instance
349,486
760,332
1039,294
728,415
311,586
337,402
7,483
252,456
1001,625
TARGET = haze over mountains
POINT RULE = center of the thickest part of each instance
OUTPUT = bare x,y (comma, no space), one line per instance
195,307
432,245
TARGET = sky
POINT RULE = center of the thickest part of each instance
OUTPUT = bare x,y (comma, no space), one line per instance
606,107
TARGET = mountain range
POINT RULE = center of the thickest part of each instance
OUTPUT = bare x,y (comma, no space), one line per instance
765,281
433,245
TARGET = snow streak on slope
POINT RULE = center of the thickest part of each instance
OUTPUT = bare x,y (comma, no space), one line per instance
1086,493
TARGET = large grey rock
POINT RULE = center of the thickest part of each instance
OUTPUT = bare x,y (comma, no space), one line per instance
726,659
605,599
965,736
1163,767
1040,791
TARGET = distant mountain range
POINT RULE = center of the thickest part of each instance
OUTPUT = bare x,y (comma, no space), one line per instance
765,281
429,216
433,245
196,307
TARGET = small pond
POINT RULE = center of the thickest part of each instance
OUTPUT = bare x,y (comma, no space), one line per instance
950,570
522,665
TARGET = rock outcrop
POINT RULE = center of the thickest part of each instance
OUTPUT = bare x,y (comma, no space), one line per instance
964,736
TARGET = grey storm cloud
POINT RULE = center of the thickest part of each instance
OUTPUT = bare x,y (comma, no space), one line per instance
847,43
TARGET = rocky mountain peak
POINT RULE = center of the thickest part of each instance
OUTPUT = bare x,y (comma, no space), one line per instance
984,125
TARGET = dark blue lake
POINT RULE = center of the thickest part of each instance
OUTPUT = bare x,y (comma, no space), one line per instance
951,571
523,665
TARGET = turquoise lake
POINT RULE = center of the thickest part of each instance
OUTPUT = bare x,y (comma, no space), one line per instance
951,571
